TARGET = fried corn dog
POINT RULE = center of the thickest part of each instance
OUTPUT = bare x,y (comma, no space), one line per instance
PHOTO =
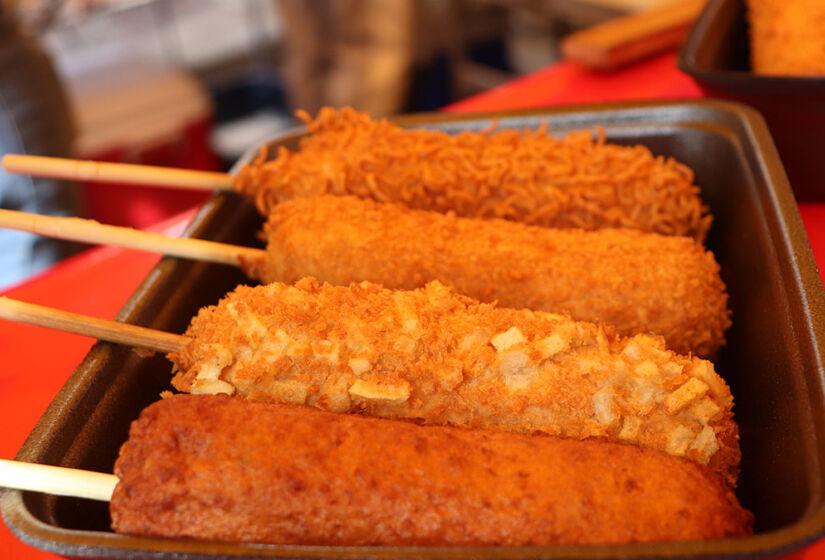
636,282
433,355
213,468
526,176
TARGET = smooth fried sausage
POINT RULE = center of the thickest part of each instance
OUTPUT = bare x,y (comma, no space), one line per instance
220,468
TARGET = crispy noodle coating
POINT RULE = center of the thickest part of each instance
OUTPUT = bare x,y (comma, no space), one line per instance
441,358
529,176
219,468
637,282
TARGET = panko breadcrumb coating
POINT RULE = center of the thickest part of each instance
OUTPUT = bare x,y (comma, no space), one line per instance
435,356
637,282
787,37
224,469
529,176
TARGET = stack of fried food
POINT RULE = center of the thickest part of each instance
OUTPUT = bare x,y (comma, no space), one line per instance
538,428
494,338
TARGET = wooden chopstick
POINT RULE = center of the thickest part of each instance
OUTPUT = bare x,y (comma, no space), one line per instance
98,171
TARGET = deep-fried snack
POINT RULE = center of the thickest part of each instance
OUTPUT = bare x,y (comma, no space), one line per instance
787,38
637,282
527,176
432,355
219,468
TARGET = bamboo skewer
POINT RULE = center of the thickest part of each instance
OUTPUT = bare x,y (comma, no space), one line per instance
98,171
62,481
630,38
90,231
112,331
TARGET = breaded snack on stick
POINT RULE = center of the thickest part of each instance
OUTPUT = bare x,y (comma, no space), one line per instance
637,282
218,468
787,38
432,355
527,176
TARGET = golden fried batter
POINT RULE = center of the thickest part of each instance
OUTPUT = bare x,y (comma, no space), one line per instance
433,355
527,176
637,282
787,38
207,467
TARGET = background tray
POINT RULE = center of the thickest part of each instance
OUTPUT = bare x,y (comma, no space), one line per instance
773,359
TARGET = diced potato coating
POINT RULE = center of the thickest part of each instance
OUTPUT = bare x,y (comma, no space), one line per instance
449,370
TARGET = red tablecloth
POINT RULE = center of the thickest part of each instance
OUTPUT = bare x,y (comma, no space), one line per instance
36,361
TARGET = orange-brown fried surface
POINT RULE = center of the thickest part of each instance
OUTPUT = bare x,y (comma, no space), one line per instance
637,282
529,176
787,38
219,468
432,355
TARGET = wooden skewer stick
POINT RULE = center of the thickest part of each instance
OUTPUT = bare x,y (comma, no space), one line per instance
90,231
112,331
99,171
627,39
62,481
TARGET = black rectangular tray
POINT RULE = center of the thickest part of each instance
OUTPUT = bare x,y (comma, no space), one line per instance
716,54
772,361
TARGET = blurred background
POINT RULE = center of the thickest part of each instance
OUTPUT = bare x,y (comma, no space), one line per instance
194,83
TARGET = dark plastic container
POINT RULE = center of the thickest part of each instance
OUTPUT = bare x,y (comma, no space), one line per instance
716,55
773,360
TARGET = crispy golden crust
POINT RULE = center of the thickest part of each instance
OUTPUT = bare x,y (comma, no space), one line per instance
433,355
787,38
207,467
526,176
636,282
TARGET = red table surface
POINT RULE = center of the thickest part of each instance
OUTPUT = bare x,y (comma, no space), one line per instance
37,361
